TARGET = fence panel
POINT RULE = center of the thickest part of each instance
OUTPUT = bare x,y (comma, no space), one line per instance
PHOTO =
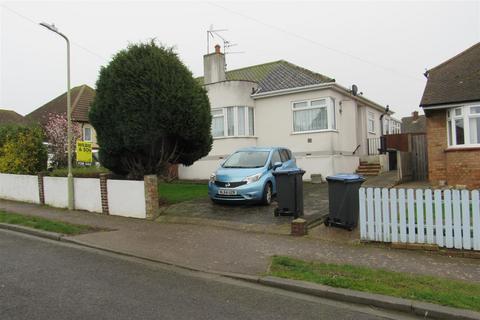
448,218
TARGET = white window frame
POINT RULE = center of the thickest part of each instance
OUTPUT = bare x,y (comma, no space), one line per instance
372,120
91,134
331,118
465,116
235,122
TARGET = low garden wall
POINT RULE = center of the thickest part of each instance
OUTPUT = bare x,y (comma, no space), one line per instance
138,199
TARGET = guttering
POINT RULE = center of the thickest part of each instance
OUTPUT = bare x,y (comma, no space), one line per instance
449,105
327,85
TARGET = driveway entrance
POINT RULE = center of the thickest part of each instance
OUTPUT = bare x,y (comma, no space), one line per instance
254,217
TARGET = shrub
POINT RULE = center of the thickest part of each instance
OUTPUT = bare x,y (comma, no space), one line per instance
22,150
149,111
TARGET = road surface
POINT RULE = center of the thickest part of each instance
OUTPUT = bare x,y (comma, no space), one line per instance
43,279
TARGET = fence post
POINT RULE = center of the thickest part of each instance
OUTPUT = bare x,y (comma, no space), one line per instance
41,189
104,192
151,196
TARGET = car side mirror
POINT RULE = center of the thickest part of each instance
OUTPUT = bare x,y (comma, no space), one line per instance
277,165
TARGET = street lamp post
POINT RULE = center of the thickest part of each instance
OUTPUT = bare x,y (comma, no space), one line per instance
69,117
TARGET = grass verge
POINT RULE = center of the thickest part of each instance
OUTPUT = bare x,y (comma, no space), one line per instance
43,224
453,293
178,191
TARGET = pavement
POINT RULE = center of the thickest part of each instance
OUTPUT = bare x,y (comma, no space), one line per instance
384,180
252,217
43,279
216,249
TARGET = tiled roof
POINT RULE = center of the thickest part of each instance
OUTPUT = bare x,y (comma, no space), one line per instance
455,80
11,117
81,98
277,75
412,125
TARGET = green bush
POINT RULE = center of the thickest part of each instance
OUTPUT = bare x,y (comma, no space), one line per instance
149,112
80,172
22,150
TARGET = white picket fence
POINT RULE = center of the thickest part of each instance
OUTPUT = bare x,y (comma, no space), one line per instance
448,218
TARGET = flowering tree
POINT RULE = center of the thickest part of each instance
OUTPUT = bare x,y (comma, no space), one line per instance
56,133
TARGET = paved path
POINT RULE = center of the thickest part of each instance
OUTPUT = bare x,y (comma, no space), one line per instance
51,280
219,249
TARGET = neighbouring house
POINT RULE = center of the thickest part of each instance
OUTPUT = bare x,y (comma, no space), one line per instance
325,124
414,124
8,117
451,102
81,98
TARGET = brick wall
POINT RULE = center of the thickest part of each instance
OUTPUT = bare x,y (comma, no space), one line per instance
456,167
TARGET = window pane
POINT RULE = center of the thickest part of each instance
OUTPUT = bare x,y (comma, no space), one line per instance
300,105
230,124
449,124
459,131
276,157
241,121
251,130
217,127
475,110
320,103
313,119
87,136
458,111
475,130
371,125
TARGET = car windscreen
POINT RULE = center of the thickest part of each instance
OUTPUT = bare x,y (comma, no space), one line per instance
247,159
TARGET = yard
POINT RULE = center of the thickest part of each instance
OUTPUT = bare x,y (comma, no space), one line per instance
180,191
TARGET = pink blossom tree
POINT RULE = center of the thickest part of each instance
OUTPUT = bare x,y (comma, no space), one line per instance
56,133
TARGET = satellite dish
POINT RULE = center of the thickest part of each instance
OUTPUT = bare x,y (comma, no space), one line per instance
354,90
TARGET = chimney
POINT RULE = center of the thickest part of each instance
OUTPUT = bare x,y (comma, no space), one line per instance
214,66
415,115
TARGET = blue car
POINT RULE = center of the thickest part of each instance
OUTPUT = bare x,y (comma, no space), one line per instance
246,175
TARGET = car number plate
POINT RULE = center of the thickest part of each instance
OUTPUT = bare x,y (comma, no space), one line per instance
227,192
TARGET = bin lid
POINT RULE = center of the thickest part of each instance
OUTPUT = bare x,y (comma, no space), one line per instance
347,177
288,171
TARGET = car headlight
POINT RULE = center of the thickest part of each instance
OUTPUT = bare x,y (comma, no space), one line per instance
213,177
253,178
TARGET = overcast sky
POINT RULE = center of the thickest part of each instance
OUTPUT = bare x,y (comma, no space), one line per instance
382,47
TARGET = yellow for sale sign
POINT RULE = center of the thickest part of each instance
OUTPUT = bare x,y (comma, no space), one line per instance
84,151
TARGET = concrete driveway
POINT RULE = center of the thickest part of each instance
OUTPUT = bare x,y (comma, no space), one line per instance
252,217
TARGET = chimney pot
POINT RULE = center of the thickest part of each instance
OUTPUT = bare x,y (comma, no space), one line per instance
217,48
415,115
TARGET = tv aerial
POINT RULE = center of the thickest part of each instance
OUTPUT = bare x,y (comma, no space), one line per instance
216,33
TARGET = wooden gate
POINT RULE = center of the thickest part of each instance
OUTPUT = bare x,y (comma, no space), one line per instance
419,157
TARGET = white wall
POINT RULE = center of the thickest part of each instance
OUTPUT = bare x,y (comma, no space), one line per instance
55,191
200,170
19,187
87,194
126,198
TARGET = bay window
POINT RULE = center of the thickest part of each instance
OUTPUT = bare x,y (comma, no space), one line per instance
463,126
233,122
313,115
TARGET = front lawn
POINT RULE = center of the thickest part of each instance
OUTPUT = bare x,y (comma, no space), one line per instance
179,191
43,224
453,293
80,172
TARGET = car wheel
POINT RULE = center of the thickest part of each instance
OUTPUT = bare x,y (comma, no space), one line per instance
267,194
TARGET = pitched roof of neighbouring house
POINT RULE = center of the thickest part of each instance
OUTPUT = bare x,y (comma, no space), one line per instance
81,98
277,75
10,117
412,125
455,80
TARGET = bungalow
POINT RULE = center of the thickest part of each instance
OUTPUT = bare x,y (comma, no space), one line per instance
81,98
451,102
280,104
